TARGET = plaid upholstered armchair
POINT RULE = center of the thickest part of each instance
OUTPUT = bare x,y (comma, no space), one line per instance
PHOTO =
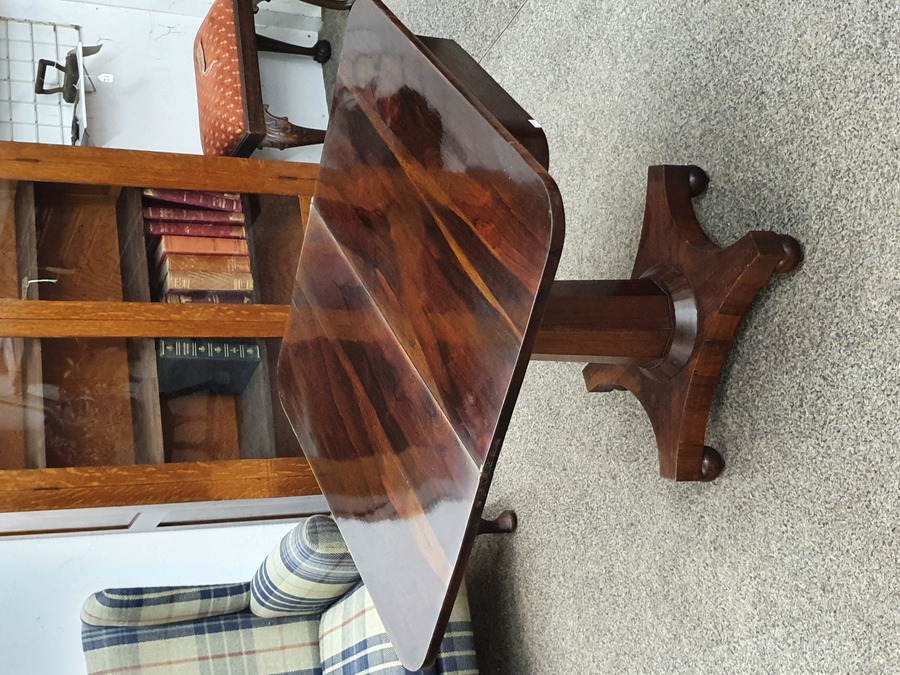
305,612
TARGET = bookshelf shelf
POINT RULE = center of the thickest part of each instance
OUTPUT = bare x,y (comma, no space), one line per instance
83,422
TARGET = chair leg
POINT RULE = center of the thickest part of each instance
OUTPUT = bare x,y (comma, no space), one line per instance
331,4
326,4
321,51
281,133
505,523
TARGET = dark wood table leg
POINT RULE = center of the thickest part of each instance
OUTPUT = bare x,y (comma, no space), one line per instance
505,523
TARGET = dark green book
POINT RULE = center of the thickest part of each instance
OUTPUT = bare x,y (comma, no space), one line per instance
186,365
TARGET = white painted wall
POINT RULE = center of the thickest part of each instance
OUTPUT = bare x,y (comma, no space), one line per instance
43,582
148,48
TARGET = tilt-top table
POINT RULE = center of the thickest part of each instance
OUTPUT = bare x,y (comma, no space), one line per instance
424,287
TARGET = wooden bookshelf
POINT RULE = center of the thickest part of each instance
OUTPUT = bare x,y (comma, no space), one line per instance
82,420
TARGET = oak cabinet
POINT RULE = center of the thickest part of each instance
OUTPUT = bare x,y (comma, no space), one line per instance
82,421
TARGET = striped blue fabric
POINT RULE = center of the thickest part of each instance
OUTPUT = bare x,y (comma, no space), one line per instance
376,654
352,640
234,643
149,606
97,637
307,573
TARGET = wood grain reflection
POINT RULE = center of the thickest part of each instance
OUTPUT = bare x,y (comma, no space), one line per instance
429,252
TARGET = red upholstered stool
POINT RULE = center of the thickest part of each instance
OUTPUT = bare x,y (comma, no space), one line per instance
233,118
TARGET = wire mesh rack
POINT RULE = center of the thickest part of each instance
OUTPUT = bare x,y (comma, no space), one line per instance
24,115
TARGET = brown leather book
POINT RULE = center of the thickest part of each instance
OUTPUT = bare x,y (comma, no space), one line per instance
195,229
218,201
207,281
171,244
210,297
192,215
205,263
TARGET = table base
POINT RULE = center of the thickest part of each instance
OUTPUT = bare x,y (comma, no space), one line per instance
711,288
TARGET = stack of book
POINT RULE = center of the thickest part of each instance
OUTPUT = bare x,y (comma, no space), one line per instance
197,246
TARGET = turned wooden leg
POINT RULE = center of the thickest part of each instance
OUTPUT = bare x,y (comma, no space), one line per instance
321,51
331,4
505,523
325,4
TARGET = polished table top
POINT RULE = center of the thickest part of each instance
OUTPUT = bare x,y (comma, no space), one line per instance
428,258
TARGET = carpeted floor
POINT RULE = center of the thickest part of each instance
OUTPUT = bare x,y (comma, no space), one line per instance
790,561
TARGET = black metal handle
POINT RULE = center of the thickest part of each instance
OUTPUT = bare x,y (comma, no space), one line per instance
43,64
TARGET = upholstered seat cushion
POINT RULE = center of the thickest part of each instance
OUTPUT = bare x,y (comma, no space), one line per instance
149,606
217,69
353,641
307,573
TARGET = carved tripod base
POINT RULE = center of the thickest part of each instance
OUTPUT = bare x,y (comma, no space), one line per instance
711,288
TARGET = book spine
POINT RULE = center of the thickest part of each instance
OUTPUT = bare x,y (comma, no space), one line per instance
172,244
218,201
192,215
160,227
218,366
205,263
210,297
207,281
207,349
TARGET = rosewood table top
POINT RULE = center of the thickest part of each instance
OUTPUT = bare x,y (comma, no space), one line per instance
428,259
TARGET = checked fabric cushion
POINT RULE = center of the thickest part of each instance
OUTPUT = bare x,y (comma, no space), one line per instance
233,643
306,574
151,606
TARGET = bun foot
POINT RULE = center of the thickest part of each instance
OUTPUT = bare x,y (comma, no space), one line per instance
505,523
697,180
323,51
712,464
793,255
